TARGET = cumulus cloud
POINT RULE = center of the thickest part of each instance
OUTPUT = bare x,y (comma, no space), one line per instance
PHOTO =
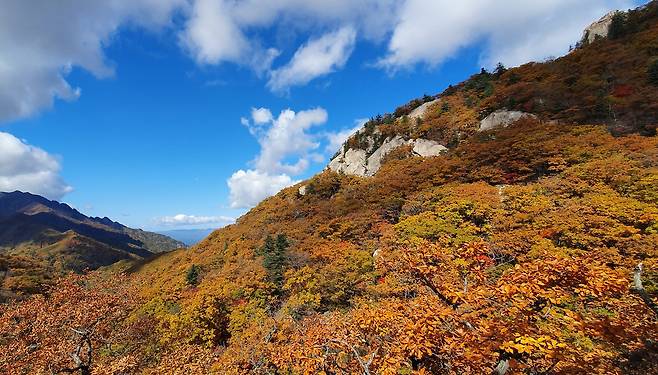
287,148
288,136
318,57
42,40
512,31
220,31
223,30
187,220
370,16
261,116
248,188
415,31
27,168
212,35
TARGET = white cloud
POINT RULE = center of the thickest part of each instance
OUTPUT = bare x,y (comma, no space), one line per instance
512,31
186,220
261,116
212,35
223,30
549,30
27,168
248,188
371,16
220,31
42,40
318,57
416,31
287,148
287,137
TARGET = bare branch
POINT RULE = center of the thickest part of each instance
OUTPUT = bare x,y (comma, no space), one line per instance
502,367
365,366
437,292
638,288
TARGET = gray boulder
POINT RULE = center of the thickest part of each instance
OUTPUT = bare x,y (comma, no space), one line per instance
502,119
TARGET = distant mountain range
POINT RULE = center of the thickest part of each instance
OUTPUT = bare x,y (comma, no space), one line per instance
188,236
40,239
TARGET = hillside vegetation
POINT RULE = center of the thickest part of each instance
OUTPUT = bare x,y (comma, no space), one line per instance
41,240
527,249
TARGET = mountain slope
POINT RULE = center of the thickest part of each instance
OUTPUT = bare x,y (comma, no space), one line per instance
544,214
61,239
606,81
527,246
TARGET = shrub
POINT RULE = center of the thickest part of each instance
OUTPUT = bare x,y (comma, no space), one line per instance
192,276
445,107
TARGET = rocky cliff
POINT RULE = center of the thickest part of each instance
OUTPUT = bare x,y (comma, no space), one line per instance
598,29
372,148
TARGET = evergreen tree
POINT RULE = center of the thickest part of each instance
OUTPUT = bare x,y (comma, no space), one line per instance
617,27
192,276
274,258
500,69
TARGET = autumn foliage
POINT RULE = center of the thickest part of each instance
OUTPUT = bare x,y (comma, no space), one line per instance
529,249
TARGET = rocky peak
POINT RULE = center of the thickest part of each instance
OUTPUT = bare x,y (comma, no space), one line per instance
358,162
598,29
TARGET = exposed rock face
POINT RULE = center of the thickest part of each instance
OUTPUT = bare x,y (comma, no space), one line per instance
351,162
598,29
501,119
364,163
375,160
302,190
427,148
356,162
420,111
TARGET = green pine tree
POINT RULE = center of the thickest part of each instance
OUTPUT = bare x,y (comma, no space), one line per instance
500,69
192,276
274,258
617,27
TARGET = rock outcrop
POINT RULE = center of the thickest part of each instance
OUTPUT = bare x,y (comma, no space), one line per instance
427,148
357,162
501,119
420,111
375,160
352,162
598,29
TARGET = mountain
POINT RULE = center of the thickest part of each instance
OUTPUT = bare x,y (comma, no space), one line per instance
506,225
188,236
55,238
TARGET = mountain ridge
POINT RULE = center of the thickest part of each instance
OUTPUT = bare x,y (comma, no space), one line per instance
58,238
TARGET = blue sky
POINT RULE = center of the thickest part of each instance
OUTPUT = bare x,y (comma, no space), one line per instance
163,117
